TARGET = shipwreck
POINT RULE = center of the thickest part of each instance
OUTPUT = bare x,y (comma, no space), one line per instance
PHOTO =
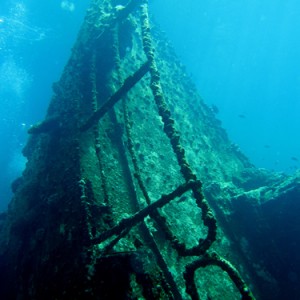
132,189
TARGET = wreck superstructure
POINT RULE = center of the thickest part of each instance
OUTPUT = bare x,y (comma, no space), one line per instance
122,194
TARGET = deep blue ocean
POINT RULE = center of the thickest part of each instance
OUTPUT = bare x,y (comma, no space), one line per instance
242,55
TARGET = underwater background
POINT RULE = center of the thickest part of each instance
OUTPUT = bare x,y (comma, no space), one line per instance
242,55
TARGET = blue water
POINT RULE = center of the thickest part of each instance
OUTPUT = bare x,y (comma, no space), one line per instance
243,56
